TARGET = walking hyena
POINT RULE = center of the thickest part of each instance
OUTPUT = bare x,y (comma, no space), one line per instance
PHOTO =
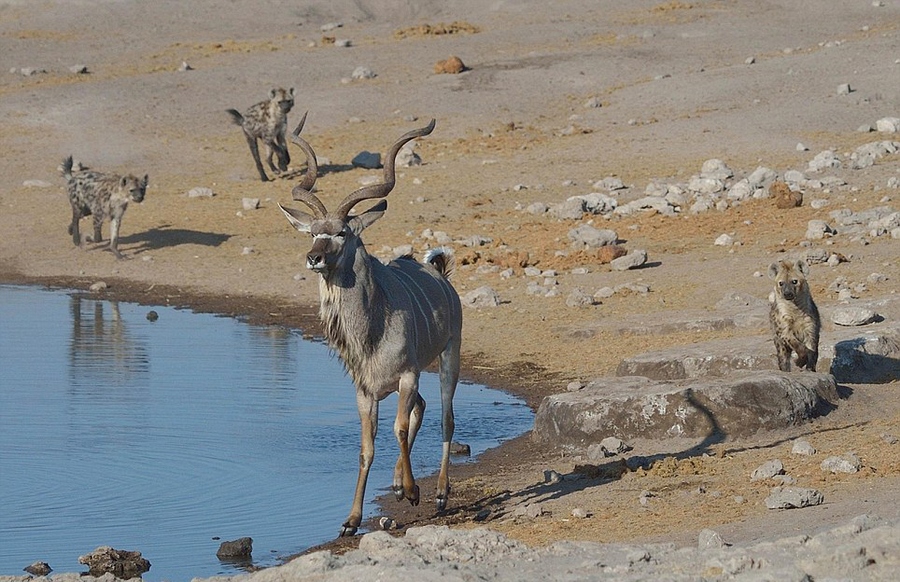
794,316
267,121
100,195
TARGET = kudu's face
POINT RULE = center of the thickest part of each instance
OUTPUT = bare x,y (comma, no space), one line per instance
335,241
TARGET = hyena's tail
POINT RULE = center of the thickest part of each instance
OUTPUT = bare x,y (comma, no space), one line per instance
236,116
66,168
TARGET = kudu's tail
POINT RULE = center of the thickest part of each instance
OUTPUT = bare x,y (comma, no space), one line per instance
443,260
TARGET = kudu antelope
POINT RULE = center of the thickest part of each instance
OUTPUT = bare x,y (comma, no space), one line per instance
386,321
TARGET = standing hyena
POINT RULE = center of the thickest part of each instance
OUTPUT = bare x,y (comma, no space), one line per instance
101,195
267,121
794,316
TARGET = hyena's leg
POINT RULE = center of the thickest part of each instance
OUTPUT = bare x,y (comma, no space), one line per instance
114,223
284,156
783,352
73,227
812,357
270,151
254,151
98,223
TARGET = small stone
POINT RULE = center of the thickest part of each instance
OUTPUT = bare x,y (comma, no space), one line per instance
200,192
460,449
724,240
552,477
450,66
185,67
848,463
78,69
367,160
38,569
250,203
890,439
709,539
632,260
614,446
98,286
239,548
802,447
580,513
844,89
593,103
152,315
853,316
36,184
363,73
482,297
574,386
386,523
767,470
793,498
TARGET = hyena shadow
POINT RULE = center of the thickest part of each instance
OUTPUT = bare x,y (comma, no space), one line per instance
166,236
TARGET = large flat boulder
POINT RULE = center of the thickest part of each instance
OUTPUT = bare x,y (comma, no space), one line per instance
639,407
852,355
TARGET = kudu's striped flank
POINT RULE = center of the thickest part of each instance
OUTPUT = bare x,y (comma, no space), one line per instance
386,321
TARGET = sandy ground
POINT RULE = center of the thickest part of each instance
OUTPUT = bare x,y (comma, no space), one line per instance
675,87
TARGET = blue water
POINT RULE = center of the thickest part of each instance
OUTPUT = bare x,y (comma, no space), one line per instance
168,437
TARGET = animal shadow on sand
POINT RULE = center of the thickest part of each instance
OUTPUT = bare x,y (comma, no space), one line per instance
587,476
166,236
323,170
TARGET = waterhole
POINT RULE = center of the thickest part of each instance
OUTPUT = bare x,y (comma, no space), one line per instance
169,435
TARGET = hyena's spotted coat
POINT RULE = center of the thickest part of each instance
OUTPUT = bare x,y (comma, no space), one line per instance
794,316
100,196
267,121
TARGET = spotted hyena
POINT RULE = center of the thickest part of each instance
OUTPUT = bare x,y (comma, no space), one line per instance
100,196
794,316
267,121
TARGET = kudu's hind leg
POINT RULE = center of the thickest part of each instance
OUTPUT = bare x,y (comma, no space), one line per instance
449,369
407,401
368,420
415,422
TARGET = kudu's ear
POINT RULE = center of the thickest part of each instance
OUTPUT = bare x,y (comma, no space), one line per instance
361,221
298,219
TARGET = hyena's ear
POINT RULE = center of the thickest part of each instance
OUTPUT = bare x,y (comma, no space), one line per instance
144,181
802,267
271,93
291,91
773,270
123,181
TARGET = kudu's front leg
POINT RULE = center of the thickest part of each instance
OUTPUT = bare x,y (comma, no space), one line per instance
408,401
368,420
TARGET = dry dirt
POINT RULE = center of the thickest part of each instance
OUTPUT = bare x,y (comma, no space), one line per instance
675,89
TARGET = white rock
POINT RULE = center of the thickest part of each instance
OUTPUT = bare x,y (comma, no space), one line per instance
724,240
852,316
362,72
250,203
200,192
632,260
482,297
888,124
803,447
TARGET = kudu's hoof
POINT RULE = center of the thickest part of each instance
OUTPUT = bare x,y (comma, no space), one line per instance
414,498
398,492
348,530
441,503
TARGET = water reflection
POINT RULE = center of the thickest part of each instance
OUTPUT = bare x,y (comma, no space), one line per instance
163,436
103,356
